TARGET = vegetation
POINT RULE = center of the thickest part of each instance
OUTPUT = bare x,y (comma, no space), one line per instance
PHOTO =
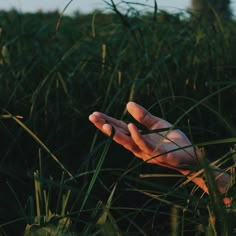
220,7
60,176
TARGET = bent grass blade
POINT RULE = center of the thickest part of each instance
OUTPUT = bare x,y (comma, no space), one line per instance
38,140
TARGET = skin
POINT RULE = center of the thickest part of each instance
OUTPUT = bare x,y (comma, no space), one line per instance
156,148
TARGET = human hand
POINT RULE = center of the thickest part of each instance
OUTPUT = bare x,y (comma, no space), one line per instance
168,148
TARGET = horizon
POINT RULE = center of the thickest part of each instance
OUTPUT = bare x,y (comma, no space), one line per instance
84,6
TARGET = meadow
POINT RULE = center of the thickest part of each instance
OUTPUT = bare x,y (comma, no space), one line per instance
58,174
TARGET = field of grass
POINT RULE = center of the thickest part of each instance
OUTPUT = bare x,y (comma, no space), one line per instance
58,174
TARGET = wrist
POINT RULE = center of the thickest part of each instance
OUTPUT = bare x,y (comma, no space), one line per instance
223,183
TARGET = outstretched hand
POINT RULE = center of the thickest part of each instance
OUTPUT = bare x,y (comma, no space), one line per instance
168,148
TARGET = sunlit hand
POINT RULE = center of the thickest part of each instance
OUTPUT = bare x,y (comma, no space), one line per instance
156,148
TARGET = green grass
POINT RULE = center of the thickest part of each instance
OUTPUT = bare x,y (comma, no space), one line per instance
58,174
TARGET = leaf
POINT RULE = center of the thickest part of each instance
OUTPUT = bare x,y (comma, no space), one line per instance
104,216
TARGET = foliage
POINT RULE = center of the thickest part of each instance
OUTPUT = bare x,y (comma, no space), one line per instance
55,73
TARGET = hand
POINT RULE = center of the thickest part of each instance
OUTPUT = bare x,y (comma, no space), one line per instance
156,148
169,148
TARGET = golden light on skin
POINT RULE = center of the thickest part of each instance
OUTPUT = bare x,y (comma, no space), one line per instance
171,151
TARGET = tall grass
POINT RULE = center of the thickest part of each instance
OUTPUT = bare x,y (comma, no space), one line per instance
56,70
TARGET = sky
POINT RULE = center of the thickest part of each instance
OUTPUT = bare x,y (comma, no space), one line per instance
86,6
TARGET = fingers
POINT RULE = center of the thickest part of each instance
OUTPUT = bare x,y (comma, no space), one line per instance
145,117
121,135
146,144
126,141
99,119
128,135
